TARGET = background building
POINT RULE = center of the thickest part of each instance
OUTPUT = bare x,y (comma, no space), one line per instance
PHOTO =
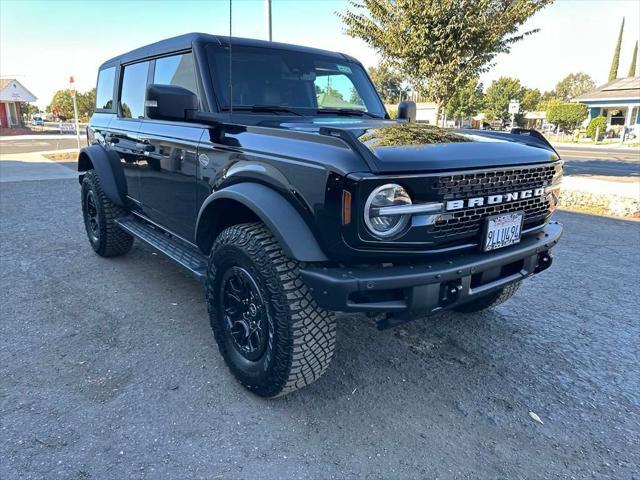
618,101
12,94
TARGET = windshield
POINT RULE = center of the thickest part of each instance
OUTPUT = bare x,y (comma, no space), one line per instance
290,81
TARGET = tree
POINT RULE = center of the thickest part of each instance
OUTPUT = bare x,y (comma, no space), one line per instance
62,104
439,46
615,62
29,109
466,102
547,99
388,82
498,95
597,125
567,115
530,100
634,58
574,85
86,103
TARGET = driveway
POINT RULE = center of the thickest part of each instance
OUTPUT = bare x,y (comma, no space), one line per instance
108,370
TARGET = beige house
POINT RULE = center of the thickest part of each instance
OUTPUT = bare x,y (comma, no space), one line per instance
12,94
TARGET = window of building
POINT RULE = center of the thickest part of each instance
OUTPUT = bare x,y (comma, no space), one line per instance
104,90
134,85
176,70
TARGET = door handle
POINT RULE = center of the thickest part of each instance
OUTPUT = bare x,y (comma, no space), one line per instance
145,147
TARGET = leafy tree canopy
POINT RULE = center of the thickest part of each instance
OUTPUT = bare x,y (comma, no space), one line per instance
567,115
498,96
466,102
388,82
62,104
440,45
574,85
530,98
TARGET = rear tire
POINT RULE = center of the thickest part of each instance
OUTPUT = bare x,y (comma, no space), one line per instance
272,335
489,301
99,213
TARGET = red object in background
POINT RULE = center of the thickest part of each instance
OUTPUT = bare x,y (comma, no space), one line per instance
3,116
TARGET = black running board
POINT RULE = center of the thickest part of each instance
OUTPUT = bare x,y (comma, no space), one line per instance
177,250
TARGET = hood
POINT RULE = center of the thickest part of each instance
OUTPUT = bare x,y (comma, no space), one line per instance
391,146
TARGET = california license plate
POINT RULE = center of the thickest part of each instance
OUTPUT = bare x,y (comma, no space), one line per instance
502,230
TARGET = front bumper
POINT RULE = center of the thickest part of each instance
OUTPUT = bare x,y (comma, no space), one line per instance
428,287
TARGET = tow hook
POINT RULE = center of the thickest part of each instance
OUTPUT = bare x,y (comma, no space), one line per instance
450,292
544,261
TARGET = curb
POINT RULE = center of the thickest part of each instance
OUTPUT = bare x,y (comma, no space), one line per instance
617,199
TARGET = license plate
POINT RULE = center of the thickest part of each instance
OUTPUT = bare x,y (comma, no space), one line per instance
502,230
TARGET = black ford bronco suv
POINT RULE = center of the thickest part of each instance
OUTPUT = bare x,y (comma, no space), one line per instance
274,174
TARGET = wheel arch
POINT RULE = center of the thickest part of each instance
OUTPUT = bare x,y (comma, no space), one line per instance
247,202
108,168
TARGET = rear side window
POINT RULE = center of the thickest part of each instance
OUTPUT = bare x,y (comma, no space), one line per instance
176,70
134,85
104,90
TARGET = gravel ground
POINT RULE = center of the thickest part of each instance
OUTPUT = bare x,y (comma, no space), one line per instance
108,370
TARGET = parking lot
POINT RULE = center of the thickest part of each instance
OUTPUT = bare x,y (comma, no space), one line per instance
108,370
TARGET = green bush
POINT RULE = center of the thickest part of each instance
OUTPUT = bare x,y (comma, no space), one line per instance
596,122
567,115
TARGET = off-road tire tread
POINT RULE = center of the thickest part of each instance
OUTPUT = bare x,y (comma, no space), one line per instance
491,300
113,240
309,343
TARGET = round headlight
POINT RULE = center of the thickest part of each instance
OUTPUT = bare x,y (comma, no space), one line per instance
385,226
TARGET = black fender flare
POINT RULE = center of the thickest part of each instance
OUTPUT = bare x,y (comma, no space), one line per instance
276,212
107,166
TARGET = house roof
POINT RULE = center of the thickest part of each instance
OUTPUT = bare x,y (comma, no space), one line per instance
618,89
11,90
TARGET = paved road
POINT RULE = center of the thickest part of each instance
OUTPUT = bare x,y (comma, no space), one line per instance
608,162
108,370
48,142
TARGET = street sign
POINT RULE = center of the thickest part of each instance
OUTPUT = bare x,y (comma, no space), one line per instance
514,107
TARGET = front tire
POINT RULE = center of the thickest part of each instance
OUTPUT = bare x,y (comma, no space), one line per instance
99,213
272,335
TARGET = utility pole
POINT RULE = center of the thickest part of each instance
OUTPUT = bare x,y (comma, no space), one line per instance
72,87
267,18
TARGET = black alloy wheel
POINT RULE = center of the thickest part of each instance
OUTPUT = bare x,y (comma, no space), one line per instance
246,316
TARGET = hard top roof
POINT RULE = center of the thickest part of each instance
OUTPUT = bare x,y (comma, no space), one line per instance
183,42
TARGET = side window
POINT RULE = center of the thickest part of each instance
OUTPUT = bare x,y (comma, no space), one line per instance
176,70
104,90
134,85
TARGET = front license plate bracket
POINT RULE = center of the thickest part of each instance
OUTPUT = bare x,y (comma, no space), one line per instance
502,230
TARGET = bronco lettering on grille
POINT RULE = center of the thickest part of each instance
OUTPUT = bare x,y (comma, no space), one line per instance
494,199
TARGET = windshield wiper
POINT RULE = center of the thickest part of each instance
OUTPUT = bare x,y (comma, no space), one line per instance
347,111
263,108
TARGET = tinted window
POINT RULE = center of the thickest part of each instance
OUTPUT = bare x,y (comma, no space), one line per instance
134,84
291,79
104,90
177,70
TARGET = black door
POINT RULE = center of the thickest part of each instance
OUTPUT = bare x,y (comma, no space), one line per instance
122,135
169,165
167,172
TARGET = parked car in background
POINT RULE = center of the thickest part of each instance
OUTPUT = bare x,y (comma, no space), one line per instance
37,121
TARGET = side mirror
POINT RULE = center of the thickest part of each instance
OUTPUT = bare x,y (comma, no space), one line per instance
169,102
407,111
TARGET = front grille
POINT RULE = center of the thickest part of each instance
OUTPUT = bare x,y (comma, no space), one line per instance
482,184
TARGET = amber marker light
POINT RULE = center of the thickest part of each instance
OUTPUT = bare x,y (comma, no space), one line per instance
346,207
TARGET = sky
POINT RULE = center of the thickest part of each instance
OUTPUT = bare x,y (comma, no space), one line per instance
42,43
